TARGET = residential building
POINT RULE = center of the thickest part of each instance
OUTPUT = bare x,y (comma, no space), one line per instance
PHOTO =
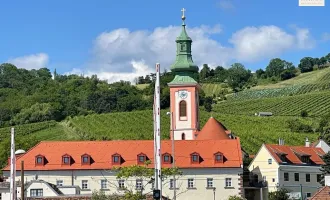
295,168
210,167
321,144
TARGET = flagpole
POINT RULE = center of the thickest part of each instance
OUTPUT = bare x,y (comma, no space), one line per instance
12,166
158,175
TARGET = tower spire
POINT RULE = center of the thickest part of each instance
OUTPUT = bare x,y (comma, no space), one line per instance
183,16
184,63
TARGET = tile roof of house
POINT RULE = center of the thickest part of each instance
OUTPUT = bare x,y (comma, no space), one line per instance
293,152
101,153
322,194
213,130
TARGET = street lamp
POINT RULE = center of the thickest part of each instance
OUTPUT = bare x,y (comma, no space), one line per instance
173,157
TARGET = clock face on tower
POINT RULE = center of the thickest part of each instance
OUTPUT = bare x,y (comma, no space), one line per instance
183,94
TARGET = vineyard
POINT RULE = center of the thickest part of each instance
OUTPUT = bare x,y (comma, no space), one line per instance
213,88
24,130
304,83
252,130
316,104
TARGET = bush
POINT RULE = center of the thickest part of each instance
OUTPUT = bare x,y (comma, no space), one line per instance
235,198
304,113
296,125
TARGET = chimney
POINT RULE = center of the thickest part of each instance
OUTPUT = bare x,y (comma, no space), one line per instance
280,141
307,144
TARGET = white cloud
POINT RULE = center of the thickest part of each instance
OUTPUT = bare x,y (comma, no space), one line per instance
122,54
226,4
33,61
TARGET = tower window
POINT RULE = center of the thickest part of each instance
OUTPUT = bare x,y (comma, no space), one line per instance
183,47
183,109
183,136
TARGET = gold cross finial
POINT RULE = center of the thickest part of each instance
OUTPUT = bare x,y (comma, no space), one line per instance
183,17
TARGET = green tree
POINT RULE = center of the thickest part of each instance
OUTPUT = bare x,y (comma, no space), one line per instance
235,198
278,195
36,113
275,67
306,64
208,104
205,72
260,72
238,76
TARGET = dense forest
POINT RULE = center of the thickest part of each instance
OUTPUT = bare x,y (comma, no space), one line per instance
28,96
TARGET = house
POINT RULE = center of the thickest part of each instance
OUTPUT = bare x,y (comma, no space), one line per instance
295,168
211,158
321,144
324,192
264,114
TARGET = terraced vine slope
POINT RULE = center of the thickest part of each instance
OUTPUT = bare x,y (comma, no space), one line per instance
318,80
316,104
252,130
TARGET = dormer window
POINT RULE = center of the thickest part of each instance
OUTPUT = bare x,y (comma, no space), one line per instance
116,159
141,158
66,159
195,158
166,158
85,159
305,159
40,160
218,157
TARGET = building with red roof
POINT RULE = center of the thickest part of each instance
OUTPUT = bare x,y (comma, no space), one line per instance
295,168
211,159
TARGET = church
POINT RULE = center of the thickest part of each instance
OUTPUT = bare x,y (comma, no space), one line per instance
210,158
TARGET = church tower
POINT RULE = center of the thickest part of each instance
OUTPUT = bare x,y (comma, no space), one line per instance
184,89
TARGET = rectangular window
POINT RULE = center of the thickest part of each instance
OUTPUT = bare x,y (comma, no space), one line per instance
209,183
59,182
270,161
273,179
228,182
121,184
308,194
104,184
296,176
116,159
66,160
36,192
141,158
308,178
166,158
138,184
85,159
39,160
286,176
195,158
190,183
84,184
171,183
318,178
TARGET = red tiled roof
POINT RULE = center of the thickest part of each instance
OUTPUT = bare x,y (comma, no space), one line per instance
213,130
102,151
292,153
322,194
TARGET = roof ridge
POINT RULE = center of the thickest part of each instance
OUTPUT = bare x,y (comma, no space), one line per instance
320,190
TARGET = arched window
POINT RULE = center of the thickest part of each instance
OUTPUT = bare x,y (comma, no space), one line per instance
183,108
183,136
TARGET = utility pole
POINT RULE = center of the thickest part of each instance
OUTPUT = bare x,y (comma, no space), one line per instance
301,192
173,162
22,180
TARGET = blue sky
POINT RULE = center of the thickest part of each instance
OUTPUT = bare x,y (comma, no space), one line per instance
122,39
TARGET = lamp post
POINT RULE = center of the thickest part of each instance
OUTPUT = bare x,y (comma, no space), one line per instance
173,161
214,193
